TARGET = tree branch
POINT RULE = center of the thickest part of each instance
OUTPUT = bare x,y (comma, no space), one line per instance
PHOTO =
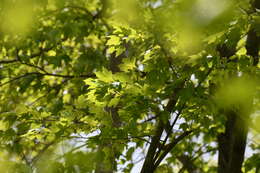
170,146
148,163
168,134
19,77
6,61
47,74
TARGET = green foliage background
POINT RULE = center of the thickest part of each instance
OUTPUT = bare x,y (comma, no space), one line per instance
84,83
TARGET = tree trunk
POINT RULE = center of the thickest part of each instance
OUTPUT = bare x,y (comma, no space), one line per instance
232,144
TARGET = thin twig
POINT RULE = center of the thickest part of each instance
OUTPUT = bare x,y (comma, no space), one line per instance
47,74
20,77
8,61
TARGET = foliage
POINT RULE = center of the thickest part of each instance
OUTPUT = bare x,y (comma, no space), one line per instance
85,85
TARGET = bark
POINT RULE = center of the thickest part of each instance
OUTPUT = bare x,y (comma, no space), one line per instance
232,143
148,166
155,152
170,146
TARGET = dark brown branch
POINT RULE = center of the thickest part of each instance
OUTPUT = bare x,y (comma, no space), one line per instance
28,64
168,134
34,66
170,146
8,61
19,77
46,74
69,76
149,119
30,57
148,163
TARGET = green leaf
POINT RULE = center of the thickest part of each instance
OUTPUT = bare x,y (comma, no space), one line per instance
105,75
114,101
128,64
113,40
